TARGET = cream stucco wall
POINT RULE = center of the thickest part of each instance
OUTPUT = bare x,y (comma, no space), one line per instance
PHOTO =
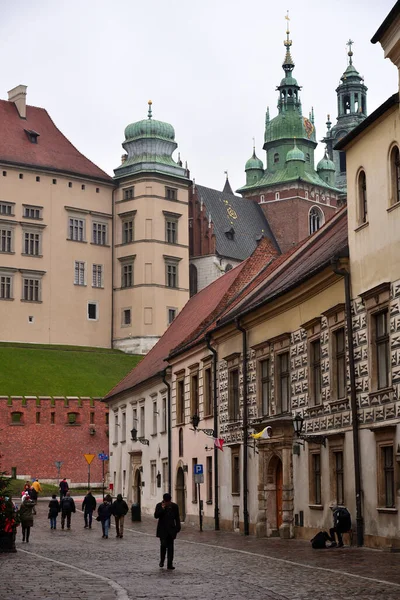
61,315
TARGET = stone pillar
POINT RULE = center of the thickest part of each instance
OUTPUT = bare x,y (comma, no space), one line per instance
286,529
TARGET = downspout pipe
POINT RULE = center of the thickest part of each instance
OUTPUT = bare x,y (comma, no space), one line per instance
245,428
112,266
353,402
169,429
215,410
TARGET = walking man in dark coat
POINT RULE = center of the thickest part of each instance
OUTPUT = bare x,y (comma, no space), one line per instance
169,525
67,508
88,506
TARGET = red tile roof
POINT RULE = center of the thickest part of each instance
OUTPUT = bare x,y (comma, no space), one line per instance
188,320
53,150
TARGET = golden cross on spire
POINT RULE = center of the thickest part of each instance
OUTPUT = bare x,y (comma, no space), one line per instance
287,42
350,52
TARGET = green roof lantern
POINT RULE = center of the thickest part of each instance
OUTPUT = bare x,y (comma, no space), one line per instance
325,164
149,145
295,154
254,168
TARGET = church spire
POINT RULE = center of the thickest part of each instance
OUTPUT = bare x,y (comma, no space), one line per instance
288,64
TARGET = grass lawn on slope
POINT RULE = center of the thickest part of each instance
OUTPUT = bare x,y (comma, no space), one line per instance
37,370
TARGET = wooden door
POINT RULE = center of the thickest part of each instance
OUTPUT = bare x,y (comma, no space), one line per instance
278,476
180,493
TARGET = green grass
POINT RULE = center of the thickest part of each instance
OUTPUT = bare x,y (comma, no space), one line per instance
17,485
39,370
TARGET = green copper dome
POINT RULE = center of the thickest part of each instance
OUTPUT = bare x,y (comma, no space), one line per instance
295,154
254,163
325,164
149,128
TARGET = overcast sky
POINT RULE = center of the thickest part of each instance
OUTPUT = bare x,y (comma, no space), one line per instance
209,66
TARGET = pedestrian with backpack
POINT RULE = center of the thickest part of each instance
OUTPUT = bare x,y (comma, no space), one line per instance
119,509
54,509
67,508
341,524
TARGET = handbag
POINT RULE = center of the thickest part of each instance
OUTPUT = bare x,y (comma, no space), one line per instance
98,519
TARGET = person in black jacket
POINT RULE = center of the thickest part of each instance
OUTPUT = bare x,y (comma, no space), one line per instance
119,508
341,524
88,506
169,525
67,508
104,515
54,509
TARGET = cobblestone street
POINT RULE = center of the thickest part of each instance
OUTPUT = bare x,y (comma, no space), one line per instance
80,565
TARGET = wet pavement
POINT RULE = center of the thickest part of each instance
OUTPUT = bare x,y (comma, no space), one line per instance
209,565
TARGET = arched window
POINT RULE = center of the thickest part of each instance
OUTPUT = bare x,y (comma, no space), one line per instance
308,157
192,280
276,157
315,219
362,198
395,174
180,442
262,198
277,196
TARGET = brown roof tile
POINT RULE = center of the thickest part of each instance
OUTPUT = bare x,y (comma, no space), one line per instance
53,150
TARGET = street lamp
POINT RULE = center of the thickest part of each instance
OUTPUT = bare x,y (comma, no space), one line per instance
298,422
195,421
134,435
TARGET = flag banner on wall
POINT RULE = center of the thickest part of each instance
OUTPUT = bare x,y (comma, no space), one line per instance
219,442
262,435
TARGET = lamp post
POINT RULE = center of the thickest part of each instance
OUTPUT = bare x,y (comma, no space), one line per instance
298,422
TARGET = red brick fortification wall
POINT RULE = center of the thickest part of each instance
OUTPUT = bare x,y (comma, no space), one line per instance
37,431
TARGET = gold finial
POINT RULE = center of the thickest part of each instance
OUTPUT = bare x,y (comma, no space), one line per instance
149,114
350,52
287,42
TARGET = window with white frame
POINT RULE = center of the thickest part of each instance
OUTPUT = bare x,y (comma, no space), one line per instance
126,317
93,311
155,415
123,427
31,289
171,315
171,271
142,422
32,243
315,219
171,227
127,230
32,212
153,475
163,414
165,475
79,273
99,234
116,426
129,193
362,198
127,274
6,286
6,239
97,276
76,229
7,208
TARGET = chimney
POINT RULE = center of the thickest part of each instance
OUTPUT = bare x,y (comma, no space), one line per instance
18,96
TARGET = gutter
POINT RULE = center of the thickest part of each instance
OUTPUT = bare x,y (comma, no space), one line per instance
215,411
245,428
353,401
168,385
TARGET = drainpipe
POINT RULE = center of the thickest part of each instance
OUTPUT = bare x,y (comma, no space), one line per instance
353,403
215,410
245,428
168,385
112,268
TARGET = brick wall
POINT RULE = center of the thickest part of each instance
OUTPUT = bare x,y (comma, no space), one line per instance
37,431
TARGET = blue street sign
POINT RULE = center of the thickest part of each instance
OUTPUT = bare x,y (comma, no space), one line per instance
102,456
198,469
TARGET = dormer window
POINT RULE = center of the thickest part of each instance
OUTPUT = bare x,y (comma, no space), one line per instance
32,135
276,157
230,233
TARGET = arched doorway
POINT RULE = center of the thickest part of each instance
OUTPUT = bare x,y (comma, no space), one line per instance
180,493
137,490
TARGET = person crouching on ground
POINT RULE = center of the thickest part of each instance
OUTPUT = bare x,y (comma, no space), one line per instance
67,508
341,524
169,525
88,506
26,515
119,508
54,509
104,515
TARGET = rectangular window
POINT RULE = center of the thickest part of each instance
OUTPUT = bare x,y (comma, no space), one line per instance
79,273
76,230
99,234
388,470
171,231
127,232
91,418
171,275
194,394
32,243
127,275
116,426
339,477
126,316
129,193
142,422
165,475
52,418
5,287
265,369
316,478
5,240
123,427
283,382
155,415
382,349
7,208
315,371
235,470
31,290
170,193
207,392
194,485
153,475
209,480
233,395
92,311
164,415
180,401
32,212
340,362
97,276
37,417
